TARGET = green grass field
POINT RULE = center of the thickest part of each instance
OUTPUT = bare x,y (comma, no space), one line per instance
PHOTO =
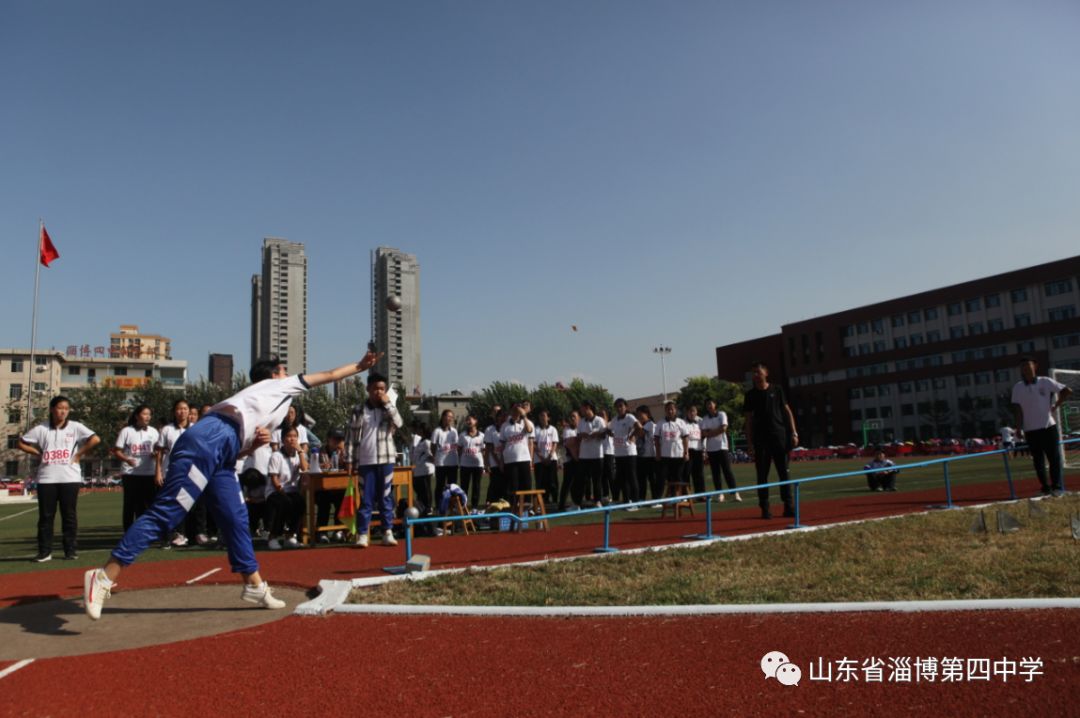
99,512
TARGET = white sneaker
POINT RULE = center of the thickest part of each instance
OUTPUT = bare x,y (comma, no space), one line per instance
362,541
738,498
202,539
274,545
179,540
96,589
291,542
721,498
339,536
388,539
262,596
632,508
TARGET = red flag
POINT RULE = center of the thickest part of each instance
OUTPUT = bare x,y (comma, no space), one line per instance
347,511
46,249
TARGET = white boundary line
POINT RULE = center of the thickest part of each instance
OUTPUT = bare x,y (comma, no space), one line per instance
200,577
21,513
15,666
334,594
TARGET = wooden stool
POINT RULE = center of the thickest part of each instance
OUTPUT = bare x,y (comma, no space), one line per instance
677,488
457,508
537,503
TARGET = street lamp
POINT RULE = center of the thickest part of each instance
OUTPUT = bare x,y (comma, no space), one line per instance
662,351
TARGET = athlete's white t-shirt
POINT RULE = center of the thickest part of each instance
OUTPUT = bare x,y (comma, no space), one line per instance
491,436
1008,435
264,404
672,434
546,441
621,430
514,441
609,446
471,449
591,448
648,447
170,433
693,436
138,444
711,423
422,460
567,435
445,443
259,460
1035,400
58,447
287,469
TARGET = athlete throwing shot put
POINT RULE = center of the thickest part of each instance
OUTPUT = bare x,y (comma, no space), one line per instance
204,462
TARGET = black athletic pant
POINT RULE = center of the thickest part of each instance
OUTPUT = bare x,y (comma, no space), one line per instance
497,486
626,478
772,451
571,484
720,463
607,476
518,478
671,470
284,510
49,496
697,470
470,482
421,486
139,492
649,477
1044,444
591,477
444,476
547,478
323,500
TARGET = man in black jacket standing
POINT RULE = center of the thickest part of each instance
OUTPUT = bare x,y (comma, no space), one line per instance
770,435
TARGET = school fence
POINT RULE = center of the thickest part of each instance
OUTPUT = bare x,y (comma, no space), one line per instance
607,511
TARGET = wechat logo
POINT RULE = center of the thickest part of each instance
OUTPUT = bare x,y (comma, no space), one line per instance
775,664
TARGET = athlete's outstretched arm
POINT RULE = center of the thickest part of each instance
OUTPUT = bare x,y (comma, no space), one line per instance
343,372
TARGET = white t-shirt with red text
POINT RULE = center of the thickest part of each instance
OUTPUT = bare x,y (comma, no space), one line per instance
138,444
58,447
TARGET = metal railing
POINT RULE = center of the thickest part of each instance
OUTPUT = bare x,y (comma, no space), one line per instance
708,534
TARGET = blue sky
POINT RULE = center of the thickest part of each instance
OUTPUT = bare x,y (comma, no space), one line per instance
690,173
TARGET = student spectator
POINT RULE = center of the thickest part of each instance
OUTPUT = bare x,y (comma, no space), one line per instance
285,503
60,444
444,442
607,471
546,441
167,438
1035,399
714,429
648,476
591,431
369,442
332,458
471,457
423,463
881,480
696,450
672,448
295,417
516,450
135,449
496,486
625,430
571,481
770,434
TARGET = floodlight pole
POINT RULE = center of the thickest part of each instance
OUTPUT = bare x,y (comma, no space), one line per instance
662,351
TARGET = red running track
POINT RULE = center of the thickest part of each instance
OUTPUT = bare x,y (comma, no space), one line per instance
459,666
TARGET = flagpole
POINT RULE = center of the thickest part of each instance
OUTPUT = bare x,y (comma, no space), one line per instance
33,329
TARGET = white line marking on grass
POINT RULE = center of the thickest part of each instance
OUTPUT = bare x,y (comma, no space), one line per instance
15,666
994,604
200,577
18,514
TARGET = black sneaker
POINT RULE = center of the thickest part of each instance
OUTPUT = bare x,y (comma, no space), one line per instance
42,558
71,556
789,513
766,514
1045,491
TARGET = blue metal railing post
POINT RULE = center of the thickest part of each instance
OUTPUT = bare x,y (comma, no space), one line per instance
948,487
408,540
796,525
1008,476
606,548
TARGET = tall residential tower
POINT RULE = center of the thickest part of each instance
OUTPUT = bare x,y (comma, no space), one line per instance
397,333
279,305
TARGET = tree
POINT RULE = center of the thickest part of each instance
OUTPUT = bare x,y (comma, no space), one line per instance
579,391
104,410
700,389
551,399
329,412
938,415
499,393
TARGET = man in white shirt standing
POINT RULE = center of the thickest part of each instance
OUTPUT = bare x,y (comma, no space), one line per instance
1035,399
204,460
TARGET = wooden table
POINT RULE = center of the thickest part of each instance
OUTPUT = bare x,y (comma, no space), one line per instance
340,481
